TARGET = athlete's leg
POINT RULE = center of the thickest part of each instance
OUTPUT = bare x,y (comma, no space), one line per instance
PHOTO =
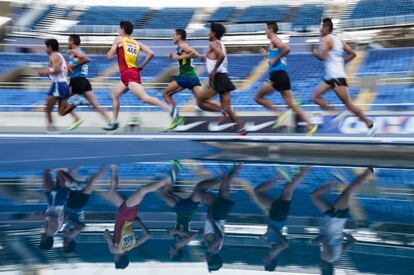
65,108
167,197
317,200
225,99
205,100
170,90
342,93
119,89
343,200
316,97
265,90
112,195
50,102
261,197
139,195
90,97
287,192
139,91
288,98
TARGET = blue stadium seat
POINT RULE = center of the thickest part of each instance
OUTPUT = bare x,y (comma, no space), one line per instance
170,18
380,8
308,15
222,14
257,14
103,15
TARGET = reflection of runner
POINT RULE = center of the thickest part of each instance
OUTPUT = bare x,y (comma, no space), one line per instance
278,210
123,238
218,209
56,195
335,216
78,197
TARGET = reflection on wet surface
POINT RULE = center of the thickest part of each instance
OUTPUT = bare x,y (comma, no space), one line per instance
194,217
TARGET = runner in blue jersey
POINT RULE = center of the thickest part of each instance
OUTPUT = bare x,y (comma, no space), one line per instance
278,77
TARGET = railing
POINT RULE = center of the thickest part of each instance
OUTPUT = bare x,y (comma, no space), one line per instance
378,21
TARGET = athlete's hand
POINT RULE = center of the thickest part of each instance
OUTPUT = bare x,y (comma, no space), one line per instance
174,56
263,52
140,68
272,61
203,58
43,72
212,75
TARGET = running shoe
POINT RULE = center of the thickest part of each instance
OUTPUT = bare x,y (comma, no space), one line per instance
52,130
283,173
339,118
242,132
75,124
177,122
111,127
177,166
312,130
282,119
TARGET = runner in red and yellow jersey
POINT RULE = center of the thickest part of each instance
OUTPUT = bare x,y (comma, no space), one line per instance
127,50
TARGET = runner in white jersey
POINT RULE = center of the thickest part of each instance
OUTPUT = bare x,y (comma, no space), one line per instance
220,83
59,90
332,54
331,237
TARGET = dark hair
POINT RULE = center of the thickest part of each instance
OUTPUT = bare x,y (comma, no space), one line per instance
326,268
122,262
328,22
178,256
46,242
69,246
271,266
127,27
75,38
218,29
182,33
273,26
52,43
214,262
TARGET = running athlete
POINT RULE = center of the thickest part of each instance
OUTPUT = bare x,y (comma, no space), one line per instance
59,90
127,50
278,77
186,79
78,67
278,211
332,54
220,83
331,237
123,238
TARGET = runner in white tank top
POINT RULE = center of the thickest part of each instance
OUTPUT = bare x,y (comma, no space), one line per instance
331,52
57,71
220,83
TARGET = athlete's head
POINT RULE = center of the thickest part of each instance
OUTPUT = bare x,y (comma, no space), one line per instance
52,45
46,242
179,34
271,28
121,261
125,28
74,41
217,31
214,262
326,26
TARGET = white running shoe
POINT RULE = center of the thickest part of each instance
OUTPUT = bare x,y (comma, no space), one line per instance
339,118
372,131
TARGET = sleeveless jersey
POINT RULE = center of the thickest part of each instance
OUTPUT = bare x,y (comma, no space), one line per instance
127,239
80,71
210,63
334,63
128,54
280,65
185,67
60,77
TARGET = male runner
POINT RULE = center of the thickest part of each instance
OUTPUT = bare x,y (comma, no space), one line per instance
278,77
127,50
79,83
59,90
331,237
220,83
123,238
278,211
332,54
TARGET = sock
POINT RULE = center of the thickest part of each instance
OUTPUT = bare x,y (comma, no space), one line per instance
174,112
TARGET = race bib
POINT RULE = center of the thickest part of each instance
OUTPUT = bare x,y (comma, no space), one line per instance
131,49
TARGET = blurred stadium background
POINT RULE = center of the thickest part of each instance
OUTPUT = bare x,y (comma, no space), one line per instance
381,31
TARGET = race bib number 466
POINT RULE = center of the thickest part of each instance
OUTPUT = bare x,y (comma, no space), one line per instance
131,49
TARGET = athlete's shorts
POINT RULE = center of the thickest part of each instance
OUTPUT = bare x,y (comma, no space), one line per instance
187,82
334,82
279,210
220,208
77,199
185,205
222,83
130,75
280,80
337,213
59,90
274,226
57,196
80,85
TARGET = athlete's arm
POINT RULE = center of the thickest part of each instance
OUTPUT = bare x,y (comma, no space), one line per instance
351,53
280,45
109,241
147,233
114,47
264,53
83,59
216,48
326,46
188,53
149,55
